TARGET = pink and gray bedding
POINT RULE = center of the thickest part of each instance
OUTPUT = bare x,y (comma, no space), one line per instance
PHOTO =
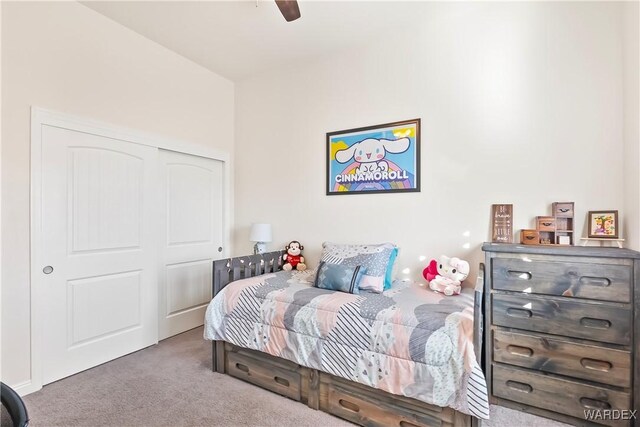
407,340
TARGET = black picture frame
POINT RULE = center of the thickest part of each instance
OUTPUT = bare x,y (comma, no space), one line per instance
367,152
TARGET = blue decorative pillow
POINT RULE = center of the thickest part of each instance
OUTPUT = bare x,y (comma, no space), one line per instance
378,259
388,277
338,277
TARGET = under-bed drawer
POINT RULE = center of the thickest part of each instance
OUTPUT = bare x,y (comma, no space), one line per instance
560,356
361,410
560,316
264,374
559,395
361,405
592,280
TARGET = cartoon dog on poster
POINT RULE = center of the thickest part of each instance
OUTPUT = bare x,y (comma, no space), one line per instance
370,152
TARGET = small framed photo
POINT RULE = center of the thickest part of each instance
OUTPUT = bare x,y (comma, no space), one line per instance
603,224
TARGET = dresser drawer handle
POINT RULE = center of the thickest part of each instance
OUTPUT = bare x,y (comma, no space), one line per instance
523,387
519,312
564,210
547,224
589,403
520,351
596,365
595,281
514,274
590,322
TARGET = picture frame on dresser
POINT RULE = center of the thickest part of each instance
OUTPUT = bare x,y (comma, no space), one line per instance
603,224
562,331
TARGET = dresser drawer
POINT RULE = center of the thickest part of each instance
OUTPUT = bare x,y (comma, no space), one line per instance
569,279
558,356
563,316
563,396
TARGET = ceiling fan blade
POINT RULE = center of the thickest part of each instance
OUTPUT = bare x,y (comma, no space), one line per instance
289,9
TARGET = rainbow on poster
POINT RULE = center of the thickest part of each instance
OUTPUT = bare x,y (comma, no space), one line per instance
374,159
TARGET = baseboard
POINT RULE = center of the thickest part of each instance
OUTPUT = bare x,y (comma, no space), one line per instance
25,387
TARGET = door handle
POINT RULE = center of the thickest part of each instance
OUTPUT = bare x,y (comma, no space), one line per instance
47,270
219,248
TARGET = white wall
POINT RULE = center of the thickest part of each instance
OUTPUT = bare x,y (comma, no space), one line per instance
631,74
68,58
520,103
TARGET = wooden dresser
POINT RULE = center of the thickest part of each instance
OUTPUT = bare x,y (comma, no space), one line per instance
562,331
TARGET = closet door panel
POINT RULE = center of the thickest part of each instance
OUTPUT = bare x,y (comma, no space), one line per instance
191,233
99,250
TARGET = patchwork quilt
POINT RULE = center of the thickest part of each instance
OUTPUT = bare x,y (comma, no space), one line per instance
408,340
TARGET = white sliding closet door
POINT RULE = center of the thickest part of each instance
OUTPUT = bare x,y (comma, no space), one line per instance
192,214
99,250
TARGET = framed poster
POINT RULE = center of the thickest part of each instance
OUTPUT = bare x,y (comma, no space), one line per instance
502,223
603,224
374,159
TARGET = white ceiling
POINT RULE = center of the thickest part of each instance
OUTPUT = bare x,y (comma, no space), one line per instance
238,39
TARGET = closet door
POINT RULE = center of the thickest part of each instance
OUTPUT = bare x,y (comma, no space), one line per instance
99,250
192,220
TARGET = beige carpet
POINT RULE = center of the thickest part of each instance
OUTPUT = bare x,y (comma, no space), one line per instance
172,384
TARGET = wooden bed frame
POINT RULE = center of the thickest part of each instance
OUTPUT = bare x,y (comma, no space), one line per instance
346,399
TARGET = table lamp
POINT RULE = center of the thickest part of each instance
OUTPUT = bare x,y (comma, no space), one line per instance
261,234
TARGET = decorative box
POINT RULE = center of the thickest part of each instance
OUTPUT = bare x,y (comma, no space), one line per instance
562,209
529,237
545,223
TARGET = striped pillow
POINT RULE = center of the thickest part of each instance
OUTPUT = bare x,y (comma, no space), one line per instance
337,277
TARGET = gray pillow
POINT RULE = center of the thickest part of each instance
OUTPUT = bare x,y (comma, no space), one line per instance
376,258
337,277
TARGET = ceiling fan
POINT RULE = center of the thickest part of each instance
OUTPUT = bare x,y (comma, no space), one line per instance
289,9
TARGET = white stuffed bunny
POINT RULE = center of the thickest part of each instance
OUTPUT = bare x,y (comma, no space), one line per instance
451,273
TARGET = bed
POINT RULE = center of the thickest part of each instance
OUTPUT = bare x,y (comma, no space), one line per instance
405,357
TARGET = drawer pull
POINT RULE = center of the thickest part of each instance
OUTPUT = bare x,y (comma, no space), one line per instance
349,405
564,210
524,275
281,381
596,365
241,367
529,237
519,312
589,403
595,281
590,322
547,224
520,351
523,387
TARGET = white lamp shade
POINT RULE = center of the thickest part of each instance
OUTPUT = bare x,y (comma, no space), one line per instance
260,233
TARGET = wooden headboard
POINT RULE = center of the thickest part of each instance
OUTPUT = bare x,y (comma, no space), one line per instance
227,270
